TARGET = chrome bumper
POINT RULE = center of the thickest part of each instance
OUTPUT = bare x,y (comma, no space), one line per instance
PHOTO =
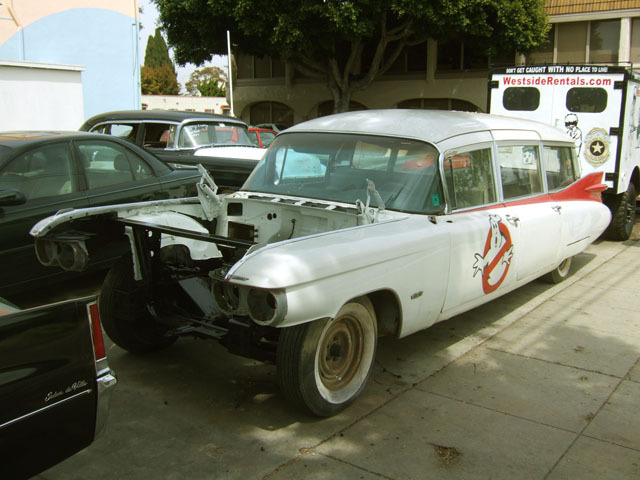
106,384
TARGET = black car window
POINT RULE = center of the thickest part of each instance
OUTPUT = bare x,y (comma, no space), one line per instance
107,163
126,131
141,169
267,138
157,135
586,100
42,172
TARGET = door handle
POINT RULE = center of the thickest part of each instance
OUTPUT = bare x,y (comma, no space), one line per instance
557,209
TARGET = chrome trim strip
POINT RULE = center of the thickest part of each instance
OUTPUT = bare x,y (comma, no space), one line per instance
30,414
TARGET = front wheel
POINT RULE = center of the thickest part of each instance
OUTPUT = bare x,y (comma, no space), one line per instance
323,365
560,273
623,211
124,313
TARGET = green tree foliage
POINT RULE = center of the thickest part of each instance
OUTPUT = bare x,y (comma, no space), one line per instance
157,52
159,80
348,43
208,81
158,75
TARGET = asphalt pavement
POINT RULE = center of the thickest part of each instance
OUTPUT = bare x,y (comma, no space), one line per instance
541,383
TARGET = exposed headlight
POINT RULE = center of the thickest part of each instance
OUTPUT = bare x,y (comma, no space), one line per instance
46,251
266,307
71,255
227,297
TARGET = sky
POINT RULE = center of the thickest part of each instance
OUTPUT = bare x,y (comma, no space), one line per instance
148,20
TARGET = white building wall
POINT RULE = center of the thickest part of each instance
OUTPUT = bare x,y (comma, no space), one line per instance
179,102
37,96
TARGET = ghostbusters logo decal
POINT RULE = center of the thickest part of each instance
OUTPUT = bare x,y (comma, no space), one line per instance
495,260
597,146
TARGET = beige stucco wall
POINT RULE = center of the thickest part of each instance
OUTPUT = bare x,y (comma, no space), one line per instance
303,97
181,102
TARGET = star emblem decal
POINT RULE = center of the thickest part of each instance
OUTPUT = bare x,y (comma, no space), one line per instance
597,148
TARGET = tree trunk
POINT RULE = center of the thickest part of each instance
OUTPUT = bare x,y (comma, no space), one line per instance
341,101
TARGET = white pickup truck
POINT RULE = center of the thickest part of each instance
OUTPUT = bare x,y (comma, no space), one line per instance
599,107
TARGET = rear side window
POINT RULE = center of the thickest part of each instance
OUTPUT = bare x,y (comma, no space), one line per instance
469,178
521,99
126,131
586,100
107,164
561,166
519,170
45,171
158,135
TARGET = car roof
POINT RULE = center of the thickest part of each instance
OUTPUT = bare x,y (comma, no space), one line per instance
162,115
432,126
18,139
17,142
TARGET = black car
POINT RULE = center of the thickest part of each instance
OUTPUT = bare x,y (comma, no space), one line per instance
55,384
42,173
185,139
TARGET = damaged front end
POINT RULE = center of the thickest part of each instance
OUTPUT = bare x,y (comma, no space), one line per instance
183,254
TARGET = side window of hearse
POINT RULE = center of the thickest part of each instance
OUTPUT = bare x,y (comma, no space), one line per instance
519,170
561,166
469,178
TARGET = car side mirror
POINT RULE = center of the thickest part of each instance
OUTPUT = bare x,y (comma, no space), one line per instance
10,198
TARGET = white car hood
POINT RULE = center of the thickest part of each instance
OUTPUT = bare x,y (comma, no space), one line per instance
253,153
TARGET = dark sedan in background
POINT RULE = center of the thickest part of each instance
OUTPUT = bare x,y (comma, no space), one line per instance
42,173
185,139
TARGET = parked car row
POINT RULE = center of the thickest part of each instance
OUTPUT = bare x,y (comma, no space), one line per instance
42,173
185,139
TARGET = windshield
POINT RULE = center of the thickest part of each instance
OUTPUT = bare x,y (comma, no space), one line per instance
336,167
200,134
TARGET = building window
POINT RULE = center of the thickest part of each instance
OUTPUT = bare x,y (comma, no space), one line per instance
580,42
604,41
635,40
439,104
544,53
412,59
449,55
572,38
456,55
271,112
250,67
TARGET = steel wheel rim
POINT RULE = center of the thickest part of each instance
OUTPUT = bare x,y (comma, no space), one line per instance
340,353
564,267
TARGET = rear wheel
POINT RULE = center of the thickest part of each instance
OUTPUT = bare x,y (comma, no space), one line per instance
623,211
324,365
124,313
560,273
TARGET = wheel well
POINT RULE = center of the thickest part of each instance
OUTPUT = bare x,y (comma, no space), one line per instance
388,312
635,179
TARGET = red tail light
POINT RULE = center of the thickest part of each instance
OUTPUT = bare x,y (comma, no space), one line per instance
96,331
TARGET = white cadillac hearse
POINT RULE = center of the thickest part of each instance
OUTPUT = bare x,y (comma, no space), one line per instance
352,226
